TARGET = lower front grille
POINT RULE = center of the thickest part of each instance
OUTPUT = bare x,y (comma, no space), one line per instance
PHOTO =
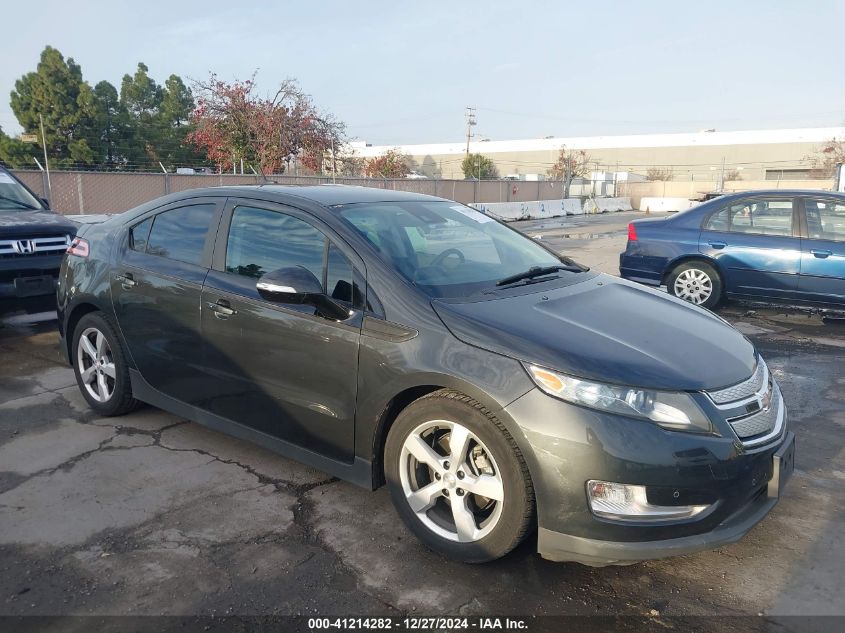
758,423
754,408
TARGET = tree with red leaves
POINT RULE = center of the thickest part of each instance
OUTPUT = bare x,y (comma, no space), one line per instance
831,154
391,164
232,123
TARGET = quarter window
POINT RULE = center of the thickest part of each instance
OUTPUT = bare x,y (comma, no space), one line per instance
825,220
180,233
756,216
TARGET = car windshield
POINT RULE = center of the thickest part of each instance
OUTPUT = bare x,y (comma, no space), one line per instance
15,197
448,249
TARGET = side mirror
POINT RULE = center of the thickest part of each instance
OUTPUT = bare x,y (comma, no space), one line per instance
298,285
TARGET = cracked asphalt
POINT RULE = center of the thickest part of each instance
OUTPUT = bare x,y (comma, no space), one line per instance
150,514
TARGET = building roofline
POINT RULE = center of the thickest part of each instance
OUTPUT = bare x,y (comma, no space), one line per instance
684,139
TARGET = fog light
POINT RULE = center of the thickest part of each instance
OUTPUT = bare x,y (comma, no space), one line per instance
624,502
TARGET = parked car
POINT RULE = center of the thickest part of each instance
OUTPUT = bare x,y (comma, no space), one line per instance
384,336
782,246
33,240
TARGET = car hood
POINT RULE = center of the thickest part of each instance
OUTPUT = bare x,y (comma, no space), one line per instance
33,223
609,330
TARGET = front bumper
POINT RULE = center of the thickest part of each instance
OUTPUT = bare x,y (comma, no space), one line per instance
565,547
568,445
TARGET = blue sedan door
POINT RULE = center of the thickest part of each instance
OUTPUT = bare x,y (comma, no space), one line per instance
755,242
823,251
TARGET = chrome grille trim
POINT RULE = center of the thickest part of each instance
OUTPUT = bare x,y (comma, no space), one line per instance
35,245
757,427
745,390
774,417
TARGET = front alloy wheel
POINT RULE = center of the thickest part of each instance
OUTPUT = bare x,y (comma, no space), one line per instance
451,481
457,478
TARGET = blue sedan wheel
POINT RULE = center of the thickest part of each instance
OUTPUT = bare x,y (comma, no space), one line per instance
697,283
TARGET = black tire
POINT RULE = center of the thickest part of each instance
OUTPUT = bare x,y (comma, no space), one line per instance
120,400
517,505
710,273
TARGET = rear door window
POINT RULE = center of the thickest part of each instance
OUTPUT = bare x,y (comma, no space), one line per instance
825,219
180,233
759,216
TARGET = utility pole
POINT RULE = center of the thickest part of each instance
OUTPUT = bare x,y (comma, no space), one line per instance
334,164
46,164
470,117
722,176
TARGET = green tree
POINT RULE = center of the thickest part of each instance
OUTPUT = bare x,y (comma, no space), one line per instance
56,91
14,153
174,123
142,97
177,102
479,167
111,131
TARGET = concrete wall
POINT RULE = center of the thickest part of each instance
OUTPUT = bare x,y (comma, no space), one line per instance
694,189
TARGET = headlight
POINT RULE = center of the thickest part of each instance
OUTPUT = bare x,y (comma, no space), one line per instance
670,409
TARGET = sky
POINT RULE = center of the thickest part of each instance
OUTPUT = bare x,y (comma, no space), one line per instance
404,72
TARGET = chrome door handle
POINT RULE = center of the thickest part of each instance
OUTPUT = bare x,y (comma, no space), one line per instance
717,244
820,253
220,309
126,280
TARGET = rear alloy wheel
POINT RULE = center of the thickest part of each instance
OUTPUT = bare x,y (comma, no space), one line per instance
100,366
458,479
96,365
697,283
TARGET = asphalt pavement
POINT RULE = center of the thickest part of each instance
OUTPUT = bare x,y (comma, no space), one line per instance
151,514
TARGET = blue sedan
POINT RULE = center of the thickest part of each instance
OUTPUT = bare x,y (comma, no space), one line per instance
781,246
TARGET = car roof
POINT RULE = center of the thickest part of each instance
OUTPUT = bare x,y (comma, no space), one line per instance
780,192
328,195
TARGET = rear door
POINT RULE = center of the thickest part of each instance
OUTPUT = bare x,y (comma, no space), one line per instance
156,291
823,250
282,369
755,242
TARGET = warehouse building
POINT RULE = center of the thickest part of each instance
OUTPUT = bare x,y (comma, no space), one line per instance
706,155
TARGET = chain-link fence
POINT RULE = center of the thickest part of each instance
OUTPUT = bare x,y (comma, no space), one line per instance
80,192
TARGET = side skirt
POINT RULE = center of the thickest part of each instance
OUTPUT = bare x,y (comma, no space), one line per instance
359,472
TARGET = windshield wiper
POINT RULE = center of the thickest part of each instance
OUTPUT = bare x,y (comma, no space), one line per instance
537,271
18,202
